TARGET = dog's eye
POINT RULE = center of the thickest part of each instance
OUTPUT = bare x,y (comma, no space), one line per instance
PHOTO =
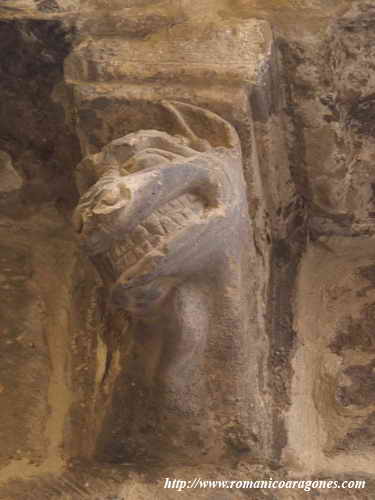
148,158
109,197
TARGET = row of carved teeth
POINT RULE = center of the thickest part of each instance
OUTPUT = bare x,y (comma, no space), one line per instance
158,227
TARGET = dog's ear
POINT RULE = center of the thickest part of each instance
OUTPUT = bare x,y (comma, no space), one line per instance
199,130
203,128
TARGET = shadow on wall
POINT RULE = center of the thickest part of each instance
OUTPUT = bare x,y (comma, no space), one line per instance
34,130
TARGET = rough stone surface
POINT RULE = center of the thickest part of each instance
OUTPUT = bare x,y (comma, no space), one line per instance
288,369
166,222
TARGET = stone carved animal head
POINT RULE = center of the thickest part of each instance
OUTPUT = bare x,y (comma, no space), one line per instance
156,208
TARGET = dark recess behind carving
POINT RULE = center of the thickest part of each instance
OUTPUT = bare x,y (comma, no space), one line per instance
33,128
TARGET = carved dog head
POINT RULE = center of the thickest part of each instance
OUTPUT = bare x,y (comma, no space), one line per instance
156,207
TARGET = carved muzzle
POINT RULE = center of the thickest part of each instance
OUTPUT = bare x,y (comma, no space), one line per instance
155,205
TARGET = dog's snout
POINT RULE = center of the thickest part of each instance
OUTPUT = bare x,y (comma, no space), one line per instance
107,199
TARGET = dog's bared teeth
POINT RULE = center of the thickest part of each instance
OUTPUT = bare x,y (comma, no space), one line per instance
168,208
168,224
183,201
124,245
116,252
175,204
130,241
139,252
161,210
147,247
186,213
140,235
179,219
130,258
155,240
165,221
153,225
